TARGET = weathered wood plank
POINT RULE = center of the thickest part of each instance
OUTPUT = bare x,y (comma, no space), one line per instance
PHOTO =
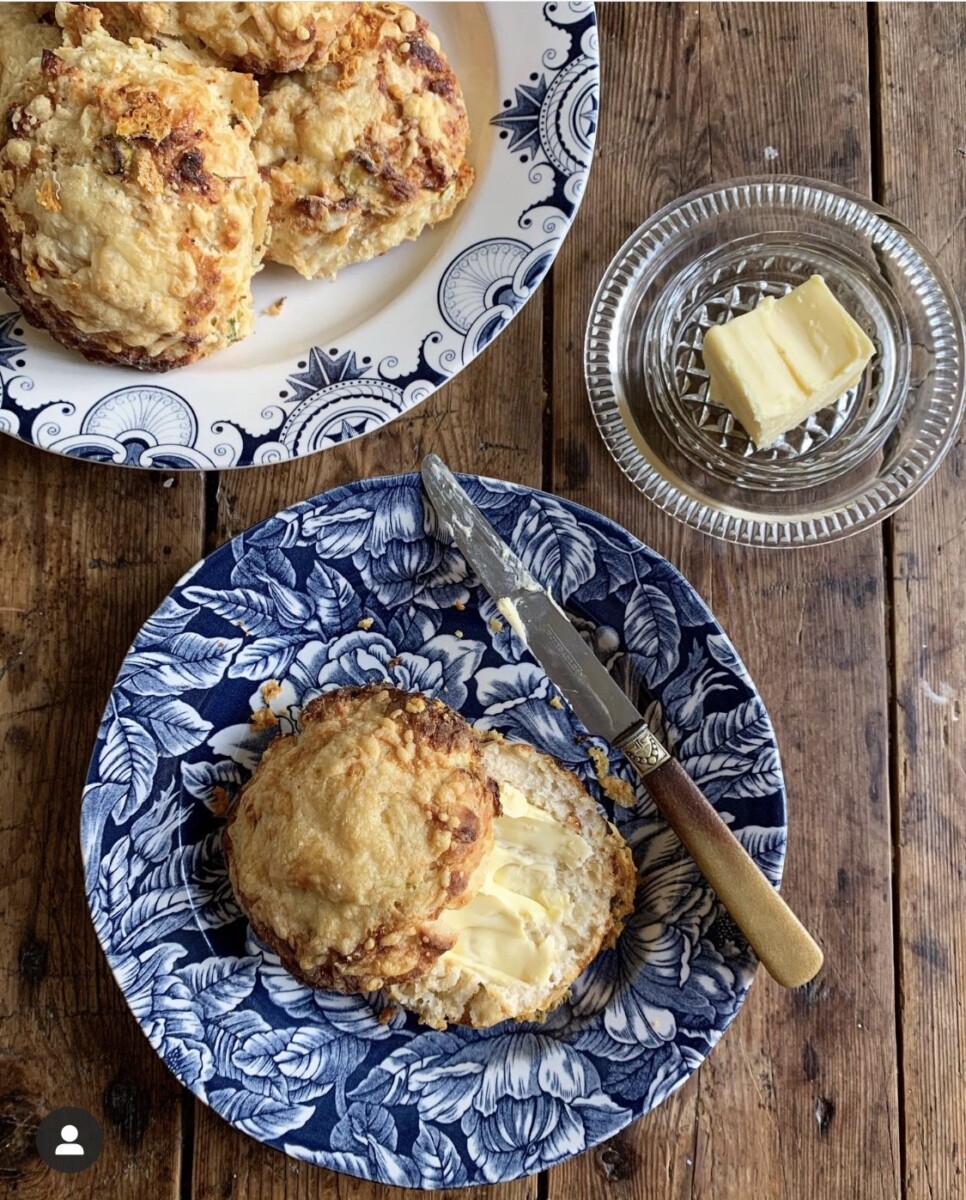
923,174
86,553
488,420
713,91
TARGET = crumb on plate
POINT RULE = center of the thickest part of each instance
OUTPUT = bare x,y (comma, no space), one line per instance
366,623
275,307
617,789
496,624
263,718
220,802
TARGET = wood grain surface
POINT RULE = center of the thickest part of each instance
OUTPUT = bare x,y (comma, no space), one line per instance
85,554
922,95
802,1090
852,1088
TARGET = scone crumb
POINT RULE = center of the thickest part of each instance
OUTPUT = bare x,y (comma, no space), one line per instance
459,633
416,705
275,307
617,789
459,605
495,624
555,702
220,802
366,623
270,689
263,718
47,196
387,1014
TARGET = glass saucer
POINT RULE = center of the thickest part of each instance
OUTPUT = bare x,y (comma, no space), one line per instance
713,255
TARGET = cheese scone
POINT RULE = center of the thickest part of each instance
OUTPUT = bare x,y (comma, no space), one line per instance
368,151
261,38
132,215
552,892
389,845
26,30
351,837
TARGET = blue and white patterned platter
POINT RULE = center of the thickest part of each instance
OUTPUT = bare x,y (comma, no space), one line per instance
344,358
354,586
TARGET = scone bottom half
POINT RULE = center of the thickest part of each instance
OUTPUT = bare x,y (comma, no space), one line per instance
372,851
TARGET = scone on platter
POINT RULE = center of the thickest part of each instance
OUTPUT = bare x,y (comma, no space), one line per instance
389,845
263,39
132,214
137,196
368,151
26,30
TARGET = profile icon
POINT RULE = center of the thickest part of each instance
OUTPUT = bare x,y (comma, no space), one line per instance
69,1139
69,1143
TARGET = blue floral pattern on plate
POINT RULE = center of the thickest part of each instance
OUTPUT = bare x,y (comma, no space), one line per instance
216,415
355,586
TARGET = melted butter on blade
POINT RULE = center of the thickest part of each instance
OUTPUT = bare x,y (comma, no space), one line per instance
508,609
507,932
507,606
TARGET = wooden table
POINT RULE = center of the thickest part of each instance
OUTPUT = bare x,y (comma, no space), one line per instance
852,1087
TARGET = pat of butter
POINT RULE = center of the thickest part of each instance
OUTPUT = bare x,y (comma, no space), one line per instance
508,609
785,360
507,932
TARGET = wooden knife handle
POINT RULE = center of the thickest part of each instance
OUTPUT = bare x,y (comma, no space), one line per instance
784,946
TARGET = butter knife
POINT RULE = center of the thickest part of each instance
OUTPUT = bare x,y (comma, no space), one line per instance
783,945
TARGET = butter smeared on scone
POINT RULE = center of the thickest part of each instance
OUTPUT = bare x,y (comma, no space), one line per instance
554,890
390,845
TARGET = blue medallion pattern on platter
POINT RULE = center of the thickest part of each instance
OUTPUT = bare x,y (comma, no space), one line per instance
355,586
331,396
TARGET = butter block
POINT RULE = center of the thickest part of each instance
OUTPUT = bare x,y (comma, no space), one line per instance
777,365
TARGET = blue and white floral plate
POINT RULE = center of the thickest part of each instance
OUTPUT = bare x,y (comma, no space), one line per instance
344,358
354,586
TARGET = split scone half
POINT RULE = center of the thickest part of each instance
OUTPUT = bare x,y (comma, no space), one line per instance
389,845
554,890
367,151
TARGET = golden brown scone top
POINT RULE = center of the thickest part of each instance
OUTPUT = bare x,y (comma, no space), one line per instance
26,30
353,835
261,38
131,213
366,152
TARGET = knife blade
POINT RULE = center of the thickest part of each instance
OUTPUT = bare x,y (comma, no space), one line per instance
782,943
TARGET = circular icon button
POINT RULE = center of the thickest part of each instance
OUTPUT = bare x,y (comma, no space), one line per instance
69,1139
